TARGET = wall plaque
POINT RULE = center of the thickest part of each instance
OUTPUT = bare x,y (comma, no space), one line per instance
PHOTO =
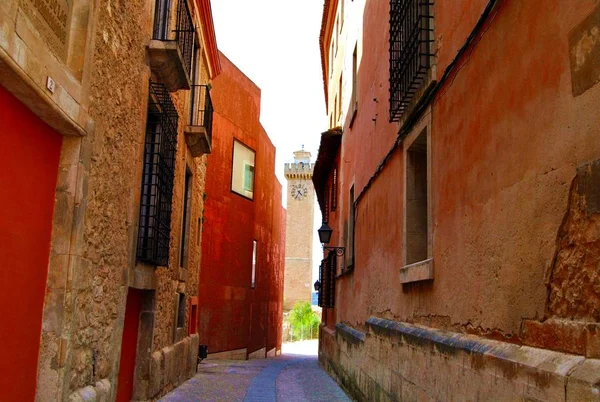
584,44
51,18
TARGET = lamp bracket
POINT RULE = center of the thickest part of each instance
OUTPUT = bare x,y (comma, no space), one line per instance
337,250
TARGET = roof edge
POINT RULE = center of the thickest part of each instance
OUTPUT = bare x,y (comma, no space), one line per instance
208,31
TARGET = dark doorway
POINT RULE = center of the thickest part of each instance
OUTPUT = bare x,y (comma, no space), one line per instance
129,345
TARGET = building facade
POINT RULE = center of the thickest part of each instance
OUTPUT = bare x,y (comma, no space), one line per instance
107,120
460,174
299,238
241,281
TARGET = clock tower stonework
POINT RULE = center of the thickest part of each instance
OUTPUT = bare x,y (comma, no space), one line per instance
300,230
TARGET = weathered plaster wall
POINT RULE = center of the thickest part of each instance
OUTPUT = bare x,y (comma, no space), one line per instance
494,228
500,248
574,290
513,241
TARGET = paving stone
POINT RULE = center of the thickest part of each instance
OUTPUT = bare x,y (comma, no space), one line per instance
295,376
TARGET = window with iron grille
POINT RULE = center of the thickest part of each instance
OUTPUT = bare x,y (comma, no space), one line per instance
154,231
351,227
411,28
326,297
184,32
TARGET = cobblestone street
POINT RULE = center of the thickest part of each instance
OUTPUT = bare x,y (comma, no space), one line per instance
294,376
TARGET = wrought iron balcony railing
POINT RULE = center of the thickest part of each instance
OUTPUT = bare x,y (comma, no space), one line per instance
326,292
176,53
198,134
154,232
201,108
411,38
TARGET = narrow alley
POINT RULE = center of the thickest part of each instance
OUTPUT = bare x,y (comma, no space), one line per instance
293,376
193,189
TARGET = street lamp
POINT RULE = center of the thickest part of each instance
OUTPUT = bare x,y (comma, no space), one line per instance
325,233
317,286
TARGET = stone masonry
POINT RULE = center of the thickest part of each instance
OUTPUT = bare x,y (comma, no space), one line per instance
299,237
98,62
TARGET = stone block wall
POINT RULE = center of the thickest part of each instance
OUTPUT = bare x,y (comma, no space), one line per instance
171,366
398,361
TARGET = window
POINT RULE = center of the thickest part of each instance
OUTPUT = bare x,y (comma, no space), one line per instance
337,33
185,229
335,111
253,282
331,57
162,13
411,37
416,201
193,318
198,231
351,220
154,231
340,96
182,31
354,99
181,311
195,78
242,177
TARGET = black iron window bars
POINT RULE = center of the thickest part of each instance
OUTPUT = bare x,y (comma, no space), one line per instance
411,39
326,295
184,32
201,109
154,231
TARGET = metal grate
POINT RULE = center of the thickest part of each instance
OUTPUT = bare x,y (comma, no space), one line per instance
202,109
411,38
327,278
184,32
154,231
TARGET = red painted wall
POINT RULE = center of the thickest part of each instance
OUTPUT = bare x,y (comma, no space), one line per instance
232,315
29,158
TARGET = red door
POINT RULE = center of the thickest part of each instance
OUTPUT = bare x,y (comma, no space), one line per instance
129,345
29,157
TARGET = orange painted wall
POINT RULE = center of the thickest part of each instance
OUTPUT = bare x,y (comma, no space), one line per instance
232,315
29,158
507,135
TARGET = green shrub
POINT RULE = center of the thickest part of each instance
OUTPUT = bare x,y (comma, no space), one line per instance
304,322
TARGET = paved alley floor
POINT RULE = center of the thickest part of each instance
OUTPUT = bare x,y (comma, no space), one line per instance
293,376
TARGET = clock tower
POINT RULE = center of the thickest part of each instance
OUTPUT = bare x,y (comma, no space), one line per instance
300,230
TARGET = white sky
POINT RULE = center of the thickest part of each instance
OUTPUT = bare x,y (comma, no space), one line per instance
276,44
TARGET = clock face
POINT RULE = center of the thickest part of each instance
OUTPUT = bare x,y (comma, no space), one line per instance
299,191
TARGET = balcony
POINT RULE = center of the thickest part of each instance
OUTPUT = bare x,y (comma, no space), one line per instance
198,134
171,49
